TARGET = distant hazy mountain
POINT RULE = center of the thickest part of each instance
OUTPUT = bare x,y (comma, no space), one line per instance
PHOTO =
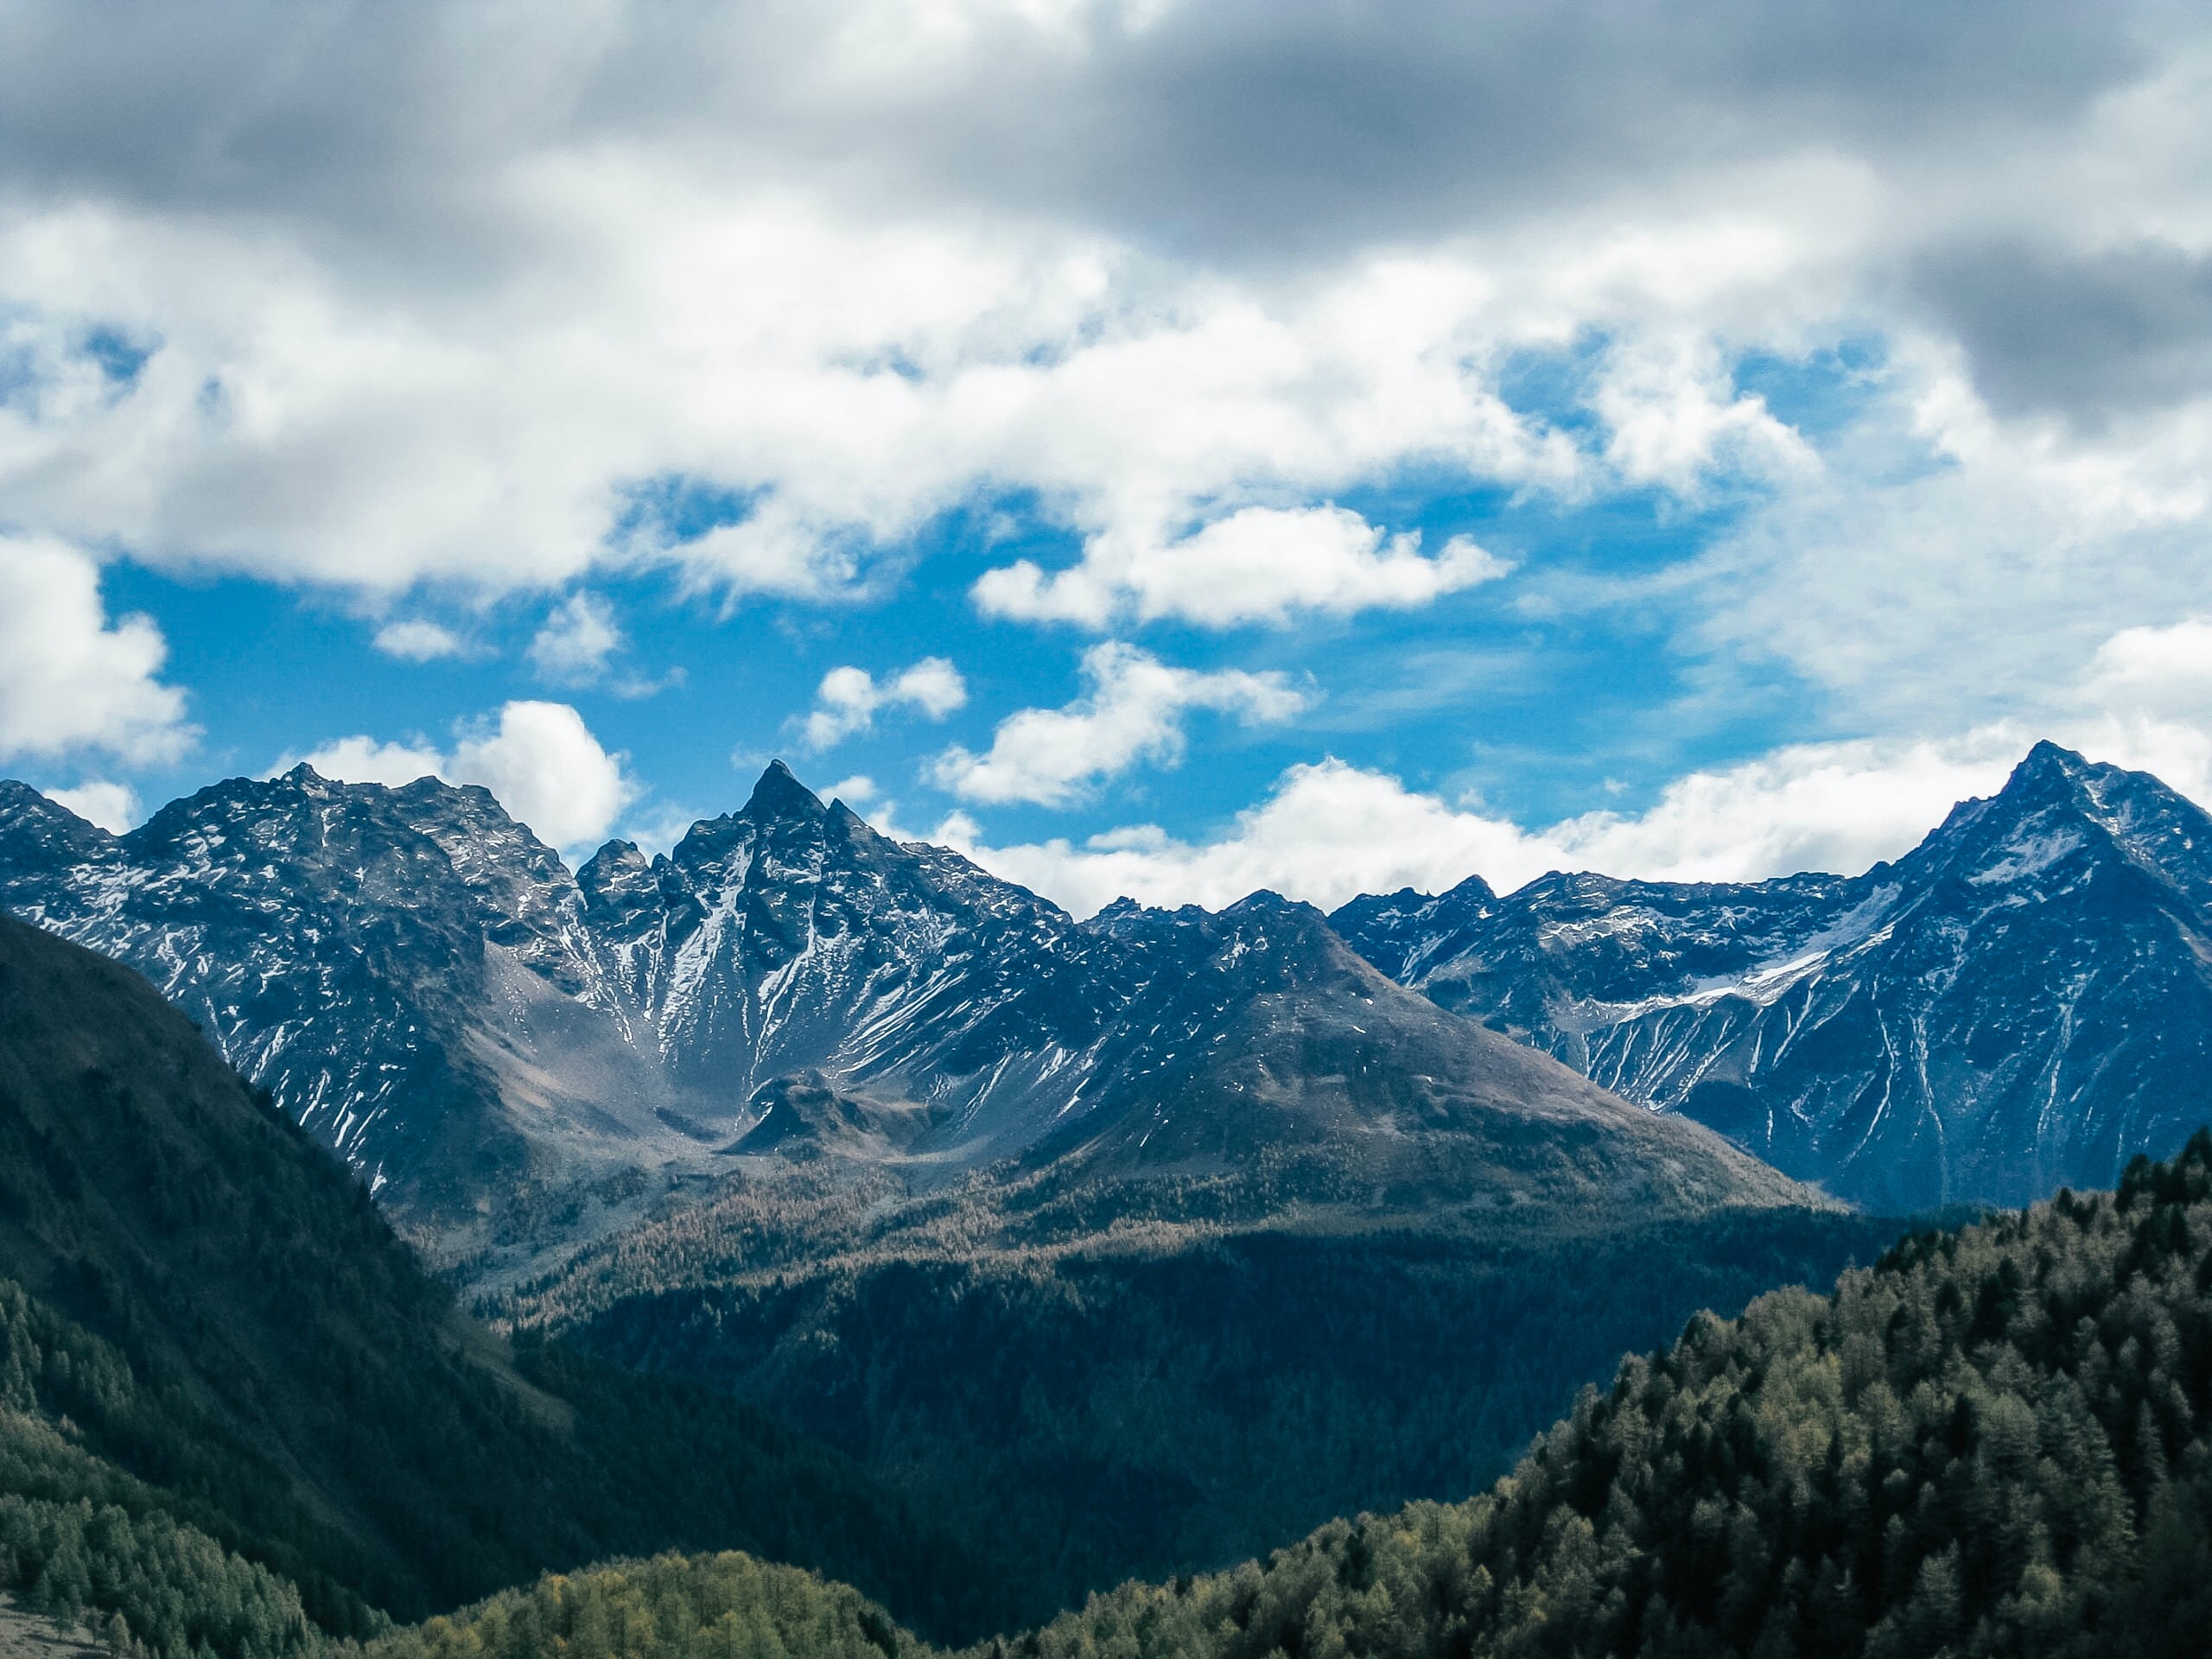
2023,1001
514,1058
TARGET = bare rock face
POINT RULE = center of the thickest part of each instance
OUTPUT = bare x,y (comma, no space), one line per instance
2021,1001
515,1057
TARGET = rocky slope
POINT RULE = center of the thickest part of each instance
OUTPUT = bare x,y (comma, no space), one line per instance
516,1058
2023,1001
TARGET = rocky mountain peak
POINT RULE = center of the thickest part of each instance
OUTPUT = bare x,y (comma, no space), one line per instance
2021,999
779,794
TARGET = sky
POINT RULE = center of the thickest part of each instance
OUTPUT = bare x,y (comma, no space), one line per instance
1159,448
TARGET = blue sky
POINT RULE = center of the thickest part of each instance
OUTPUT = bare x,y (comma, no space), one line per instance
1159,448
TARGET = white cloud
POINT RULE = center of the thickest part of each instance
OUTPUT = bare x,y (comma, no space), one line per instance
1837,807
1259,564
835,272
2155,671
1327,832
70,681
539,759
849,699
575,641
1673,418
112,806
415,640
1132,714
854,791
548,769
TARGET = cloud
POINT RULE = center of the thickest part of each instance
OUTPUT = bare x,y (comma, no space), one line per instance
548,769
539,759
69,681
1329,830
414,640
575,641
1132,714
849,698
112,806
1259,564
2087,333
2163,672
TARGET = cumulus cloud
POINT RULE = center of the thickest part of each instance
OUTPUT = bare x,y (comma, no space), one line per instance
1258,564
539,759
415,640
760,294
548,769
849,699
1132,714
573,645
2164,672
71,681
112,806
1329,831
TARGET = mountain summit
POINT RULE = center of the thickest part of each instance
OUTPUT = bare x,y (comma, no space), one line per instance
2023,1001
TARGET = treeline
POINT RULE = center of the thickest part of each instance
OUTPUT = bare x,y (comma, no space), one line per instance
1995,1441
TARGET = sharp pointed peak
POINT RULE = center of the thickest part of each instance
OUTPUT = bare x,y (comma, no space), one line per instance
779,790
2048,758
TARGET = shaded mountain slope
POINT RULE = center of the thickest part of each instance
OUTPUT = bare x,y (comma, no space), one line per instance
207,1319
2024,1000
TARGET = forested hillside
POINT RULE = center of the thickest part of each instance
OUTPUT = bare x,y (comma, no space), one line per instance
1170,1374
208,1333
1994,1441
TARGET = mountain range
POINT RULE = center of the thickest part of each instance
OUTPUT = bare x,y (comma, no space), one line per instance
2022,1002
515,1058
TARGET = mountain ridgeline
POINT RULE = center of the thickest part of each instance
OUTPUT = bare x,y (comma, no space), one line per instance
515,1059
2021,1001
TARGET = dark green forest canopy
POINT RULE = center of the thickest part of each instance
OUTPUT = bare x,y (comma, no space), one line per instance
1994,1441
1152,1405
